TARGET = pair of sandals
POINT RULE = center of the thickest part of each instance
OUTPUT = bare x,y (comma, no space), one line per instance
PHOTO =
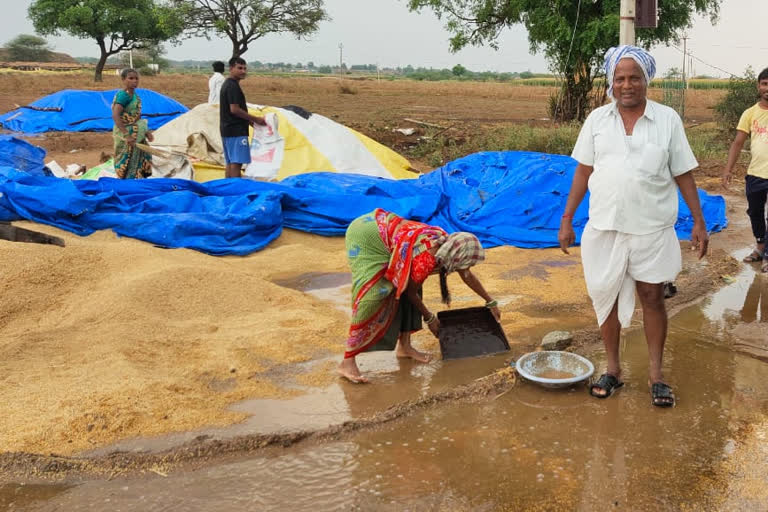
661,393
756,257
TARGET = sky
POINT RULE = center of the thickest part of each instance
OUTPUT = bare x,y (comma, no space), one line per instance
386,33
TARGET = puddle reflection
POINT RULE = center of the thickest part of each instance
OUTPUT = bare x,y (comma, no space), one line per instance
755,307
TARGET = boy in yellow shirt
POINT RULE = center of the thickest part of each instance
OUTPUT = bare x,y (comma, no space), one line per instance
754,124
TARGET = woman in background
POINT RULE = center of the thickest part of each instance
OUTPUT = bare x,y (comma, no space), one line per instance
130,161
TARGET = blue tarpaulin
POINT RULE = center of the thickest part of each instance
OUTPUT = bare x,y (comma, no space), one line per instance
505,198
85,111
21,155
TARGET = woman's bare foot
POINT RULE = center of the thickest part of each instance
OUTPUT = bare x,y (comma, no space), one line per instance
349,370
408,352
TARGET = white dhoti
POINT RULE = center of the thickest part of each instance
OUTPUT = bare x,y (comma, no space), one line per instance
614,261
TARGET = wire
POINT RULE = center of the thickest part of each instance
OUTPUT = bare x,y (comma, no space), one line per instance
705,63
568,58
573,37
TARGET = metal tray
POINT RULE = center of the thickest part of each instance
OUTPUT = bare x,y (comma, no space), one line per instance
470,332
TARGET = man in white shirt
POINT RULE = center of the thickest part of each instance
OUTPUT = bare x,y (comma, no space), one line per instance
632,156
215,83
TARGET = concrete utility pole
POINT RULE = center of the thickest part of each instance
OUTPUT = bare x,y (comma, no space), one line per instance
341,58
685,58
627,22
685,83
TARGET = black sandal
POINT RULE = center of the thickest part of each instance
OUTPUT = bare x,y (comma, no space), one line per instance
661,395
754,257
608,383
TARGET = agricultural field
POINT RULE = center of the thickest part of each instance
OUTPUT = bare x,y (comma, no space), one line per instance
467,116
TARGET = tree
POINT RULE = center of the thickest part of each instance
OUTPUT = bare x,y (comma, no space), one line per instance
574,50
115,25
245,21
28,48
459,70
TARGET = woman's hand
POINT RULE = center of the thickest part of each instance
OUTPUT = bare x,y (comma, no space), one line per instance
130,139
434,326
496,313
150,137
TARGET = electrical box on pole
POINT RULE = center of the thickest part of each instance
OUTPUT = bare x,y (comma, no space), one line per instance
646,14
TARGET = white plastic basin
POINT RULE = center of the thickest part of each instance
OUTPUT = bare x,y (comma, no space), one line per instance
554,369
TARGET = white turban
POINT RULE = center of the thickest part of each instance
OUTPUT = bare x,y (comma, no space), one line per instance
644,59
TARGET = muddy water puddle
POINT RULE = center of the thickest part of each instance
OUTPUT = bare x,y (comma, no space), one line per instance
528,449
334,287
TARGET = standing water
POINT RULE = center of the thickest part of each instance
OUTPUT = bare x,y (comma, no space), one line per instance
529,449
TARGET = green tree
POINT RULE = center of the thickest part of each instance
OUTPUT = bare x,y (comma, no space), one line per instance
115,25
459,70
28,48
573,35
245,21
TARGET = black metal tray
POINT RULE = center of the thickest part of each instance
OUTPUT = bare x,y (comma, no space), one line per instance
470,332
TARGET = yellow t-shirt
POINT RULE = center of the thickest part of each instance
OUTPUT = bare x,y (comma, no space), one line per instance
754,121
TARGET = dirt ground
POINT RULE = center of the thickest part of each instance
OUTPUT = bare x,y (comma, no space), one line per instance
112,338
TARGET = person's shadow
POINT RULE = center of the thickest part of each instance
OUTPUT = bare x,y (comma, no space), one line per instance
756,300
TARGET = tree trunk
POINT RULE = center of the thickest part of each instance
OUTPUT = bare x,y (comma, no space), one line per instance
102,61
238,49
572,102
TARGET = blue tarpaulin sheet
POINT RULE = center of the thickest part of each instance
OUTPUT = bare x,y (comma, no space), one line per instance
505,198
21,155
85,111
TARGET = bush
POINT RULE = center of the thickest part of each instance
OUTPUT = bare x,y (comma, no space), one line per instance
742,94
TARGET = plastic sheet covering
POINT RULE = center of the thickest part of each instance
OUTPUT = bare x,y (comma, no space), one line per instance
85,111
505,198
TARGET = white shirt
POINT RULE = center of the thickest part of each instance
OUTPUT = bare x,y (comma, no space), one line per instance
214,88
632,188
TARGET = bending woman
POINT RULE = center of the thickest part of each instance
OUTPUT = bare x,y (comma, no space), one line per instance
390,257
130,128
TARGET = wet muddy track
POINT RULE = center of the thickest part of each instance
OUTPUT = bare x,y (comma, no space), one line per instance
482,446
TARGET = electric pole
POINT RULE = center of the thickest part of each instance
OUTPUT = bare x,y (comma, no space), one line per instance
685,83
341,58
627,22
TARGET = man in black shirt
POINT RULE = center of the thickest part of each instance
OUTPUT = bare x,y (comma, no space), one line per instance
234,120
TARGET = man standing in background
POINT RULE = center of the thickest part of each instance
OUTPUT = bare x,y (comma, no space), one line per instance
215,82
234,120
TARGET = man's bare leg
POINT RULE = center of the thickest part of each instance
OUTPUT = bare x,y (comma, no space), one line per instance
404,349
233,171
610,331
349,370
655,326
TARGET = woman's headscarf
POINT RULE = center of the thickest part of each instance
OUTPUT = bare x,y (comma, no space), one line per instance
460,251
644,59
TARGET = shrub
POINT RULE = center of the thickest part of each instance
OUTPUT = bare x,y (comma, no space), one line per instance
742,94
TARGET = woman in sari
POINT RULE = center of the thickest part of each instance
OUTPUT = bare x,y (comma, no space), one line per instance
130,161
390,257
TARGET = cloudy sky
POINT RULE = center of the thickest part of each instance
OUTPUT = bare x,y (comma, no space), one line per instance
384,32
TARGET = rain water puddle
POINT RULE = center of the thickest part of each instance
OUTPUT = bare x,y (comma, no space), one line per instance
529,449
333,287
